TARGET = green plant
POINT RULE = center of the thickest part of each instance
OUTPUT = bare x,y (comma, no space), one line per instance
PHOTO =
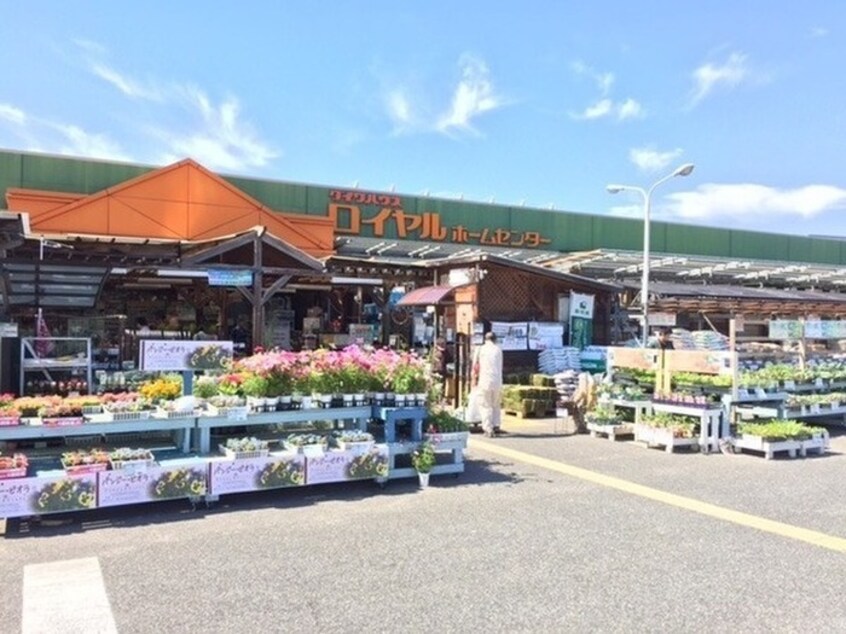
423,458
255,385
205,386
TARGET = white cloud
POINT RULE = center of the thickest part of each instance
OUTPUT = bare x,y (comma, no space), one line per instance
213,134
126,85
604,81
651,160
399,111
709,76
38,134
745,200
78,142
12,114
629,109
819,31
473,96
601,108
221,140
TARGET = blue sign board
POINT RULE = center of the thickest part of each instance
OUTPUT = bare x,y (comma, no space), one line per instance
230,277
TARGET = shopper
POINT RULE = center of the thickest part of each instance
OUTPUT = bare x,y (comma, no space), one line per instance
488,372
440,359
663,342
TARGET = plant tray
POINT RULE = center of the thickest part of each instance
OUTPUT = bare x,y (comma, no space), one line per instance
451,436
64,421
163,413
133,465
92,409
768,447
82,469
237,412
662,437
243,455
9,421
306,449
17,472
362,446
611,431
120,416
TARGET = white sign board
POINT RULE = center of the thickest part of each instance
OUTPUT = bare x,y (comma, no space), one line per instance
511,335
581,305
546,335
181,355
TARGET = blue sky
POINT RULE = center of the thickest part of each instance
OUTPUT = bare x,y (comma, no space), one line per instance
535,103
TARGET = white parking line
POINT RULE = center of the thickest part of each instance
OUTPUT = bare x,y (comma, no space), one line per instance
66,596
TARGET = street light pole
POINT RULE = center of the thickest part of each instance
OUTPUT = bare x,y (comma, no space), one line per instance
683,170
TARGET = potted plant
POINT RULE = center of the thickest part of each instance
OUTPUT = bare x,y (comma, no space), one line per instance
423,460
254,387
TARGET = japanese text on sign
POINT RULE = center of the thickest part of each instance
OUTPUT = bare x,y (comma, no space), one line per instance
349,219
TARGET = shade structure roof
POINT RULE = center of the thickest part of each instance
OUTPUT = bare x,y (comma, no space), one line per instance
426,296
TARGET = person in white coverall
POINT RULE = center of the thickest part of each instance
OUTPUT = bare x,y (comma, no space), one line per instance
488,371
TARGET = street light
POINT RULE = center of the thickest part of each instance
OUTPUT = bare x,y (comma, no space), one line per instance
683,170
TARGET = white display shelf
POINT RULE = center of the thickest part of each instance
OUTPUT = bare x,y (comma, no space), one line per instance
53,368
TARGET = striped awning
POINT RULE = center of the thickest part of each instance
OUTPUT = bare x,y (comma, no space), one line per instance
426,296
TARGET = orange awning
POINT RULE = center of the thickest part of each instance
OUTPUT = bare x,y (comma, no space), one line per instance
426,296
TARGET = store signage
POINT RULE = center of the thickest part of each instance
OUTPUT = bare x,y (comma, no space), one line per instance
698,361
581,305
337,466
546,335
154,483
254,474
230,277
511,335
636,358
785,329
8,329
183,355
382,215
52,494
662,319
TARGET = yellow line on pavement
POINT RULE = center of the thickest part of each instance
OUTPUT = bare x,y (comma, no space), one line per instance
703,508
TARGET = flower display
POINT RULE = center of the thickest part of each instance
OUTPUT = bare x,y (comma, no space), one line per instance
176,483
281,474
65,495
368,465
423,458
166,388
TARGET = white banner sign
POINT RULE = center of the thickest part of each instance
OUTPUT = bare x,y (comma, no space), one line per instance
581,305
545,335
337,466
181,355
511,335
149,485
33,496
253,474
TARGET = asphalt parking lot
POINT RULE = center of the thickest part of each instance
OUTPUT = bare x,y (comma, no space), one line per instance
542,533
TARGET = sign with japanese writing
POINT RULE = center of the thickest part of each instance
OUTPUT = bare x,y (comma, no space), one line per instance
785,329
337,466
545,335
253,474
636,358
511,335
581,305
382,215
120,487
181,355
230,277
54,494
699,361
